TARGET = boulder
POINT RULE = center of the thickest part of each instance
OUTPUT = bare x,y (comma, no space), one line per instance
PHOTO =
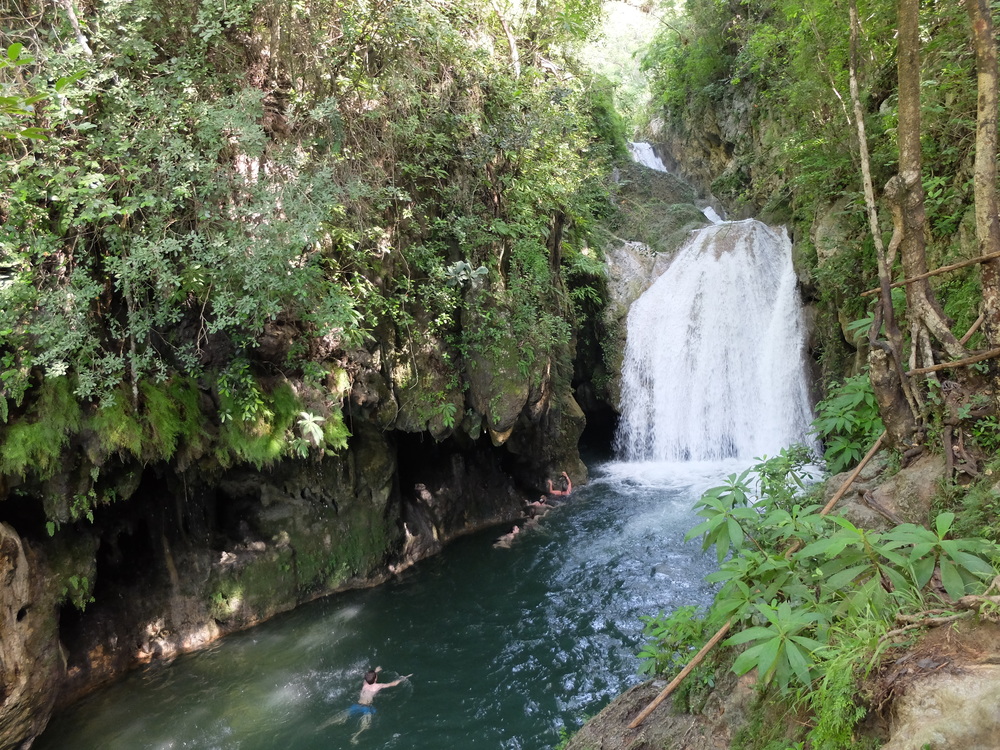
724,712
906,495
957,710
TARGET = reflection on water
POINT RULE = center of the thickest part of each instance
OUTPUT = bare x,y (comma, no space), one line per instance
507,646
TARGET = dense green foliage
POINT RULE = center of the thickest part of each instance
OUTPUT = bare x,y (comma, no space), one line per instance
814,600
812,597
848,422
238,194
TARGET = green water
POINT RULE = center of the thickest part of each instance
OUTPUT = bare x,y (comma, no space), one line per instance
508,647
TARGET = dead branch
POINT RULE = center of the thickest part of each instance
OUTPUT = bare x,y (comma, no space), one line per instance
926,622
972,329
974,602
921,616
991,354
970,605
935,272
869,499
720,633
854,475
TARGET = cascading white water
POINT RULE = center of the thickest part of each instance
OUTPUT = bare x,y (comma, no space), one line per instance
714,360
642,153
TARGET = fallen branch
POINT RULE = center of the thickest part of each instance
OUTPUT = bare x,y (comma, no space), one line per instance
927,622
869,499
972,329
721,632
920,616
843,488
935,272
973,602
680,678
991,354
854,475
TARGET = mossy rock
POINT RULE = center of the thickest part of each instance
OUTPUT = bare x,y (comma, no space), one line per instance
639,184
663,227
498,385
254,588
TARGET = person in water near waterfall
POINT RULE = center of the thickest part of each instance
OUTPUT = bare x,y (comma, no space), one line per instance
370,687
505,541
542,505
569,486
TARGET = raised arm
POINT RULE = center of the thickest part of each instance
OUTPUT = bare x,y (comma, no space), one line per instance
569,486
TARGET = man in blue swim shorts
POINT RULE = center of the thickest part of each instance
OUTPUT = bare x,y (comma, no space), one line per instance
364,708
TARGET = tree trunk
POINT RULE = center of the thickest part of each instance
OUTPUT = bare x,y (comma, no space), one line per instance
905,193
987,218
900,423
885,357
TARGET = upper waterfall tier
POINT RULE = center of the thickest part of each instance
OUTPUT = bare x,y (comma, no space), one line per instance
715,356
643,153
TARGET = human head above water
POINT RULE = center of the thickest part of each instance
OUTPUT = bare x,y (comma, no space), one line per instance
370,676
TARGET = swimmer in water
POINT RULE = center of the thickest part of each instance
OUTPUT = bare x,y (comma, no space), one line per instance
364,708
505,541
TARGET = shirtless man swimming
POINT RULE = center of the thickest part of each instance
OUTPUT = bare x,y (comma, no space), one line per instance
371,686
364,708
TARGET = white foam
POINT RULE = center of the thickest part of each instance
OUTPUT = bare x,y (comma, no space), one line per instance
715,356
643,153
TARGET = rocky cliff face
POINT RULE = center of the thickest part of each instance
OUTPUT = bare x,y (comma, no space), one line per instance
194,549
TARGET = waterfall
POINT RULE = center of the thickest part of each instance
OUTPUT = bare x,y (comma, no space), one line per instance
715,355
642,153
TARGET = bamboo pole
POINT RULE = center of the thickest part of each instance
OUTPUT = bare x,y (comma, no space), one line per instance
991,354
936,271
721,632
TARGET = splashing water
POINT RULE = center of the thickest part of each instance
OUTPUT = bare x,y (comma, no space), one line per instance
714,360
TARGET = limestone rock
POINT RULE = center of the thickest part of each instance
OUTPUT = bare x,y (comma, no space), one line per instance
31,663
830,230
949,711
906,495
498,388
713,728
